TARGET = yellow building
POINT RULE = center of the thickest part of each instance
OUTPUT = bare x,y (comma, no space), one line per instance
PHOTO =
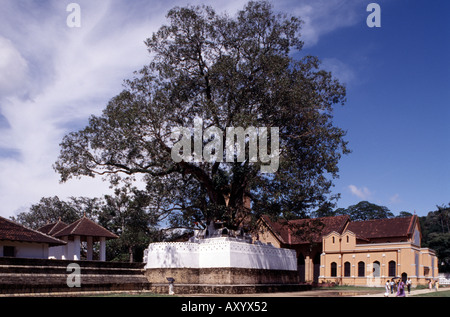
335,249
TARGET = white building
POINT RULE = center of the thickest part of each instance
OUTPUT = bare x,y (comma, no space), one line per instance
82,230
21,242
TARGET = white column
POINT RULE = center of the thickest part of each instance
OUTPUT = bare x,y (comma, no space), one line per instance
102,249
90,248
64,249
76,248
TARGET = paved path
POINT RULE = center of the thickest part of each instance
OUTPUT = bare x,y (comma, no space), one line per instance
413,292
322,293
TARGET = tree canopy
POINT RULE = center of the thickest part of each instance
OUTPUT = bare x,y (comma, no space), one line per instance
436,234
365,210
225,71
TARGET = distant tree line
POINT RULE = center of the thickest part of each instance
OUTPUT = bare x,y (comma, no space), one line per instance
436,234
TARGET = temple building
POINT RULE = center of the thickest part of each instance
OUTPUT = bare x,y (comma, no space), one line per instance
338,250
81,231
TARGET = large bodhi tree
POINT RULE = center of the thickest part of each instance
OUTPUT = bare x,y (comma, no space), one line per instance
229,72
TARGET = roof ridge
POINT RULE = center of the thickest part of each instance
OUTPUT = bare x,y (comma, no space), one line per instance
66,227
54,226
411,223
269,224
33,230
79,222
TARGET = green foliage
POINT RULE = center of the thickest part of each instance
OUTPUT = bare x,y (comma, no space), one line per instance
52,209
436,234
363,210
230,72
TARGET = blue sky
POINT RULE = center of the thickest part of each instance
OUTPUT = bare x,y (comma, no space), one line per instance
398,85
52,78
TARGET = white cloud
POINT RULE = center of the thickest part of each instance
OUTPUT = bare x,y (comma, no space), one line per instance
324,16
13,68
60,76
362,193
395,199
338,69
52,78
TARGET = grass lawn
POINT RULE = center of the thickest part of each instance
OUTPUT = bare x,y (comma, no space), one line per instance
434,294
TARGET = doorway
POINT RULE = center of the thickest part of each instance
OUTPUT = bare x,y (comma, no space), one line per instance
316,262
301,267
404,277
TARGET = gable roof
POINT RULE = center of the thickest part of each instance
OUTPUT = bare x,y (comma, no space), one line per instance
11,231
383,228
52,228
303,231
85,227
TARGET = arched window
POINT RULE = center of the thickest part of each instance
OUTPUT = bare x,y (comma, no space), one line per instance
333,239
347,267
361,269
333,269
392,270
376,269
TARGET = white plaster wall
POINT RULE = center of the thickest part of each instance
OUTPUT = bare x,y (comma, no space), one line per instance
262,257
219,252
214,252
172,255
57,252
26,249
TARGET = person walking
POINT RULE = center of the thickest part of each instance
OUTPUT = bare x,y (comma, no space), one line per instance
387,288
408,285
401,289
392,286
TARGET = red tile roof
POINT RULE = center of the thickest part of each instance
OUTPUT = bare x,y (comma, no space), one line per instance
12,231
383,228
52,228
303,231
85,227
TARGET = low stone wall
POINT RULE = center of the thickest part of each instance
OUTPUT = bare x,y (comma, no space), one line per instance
221,265
221,276
223,280
31,276
186,289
